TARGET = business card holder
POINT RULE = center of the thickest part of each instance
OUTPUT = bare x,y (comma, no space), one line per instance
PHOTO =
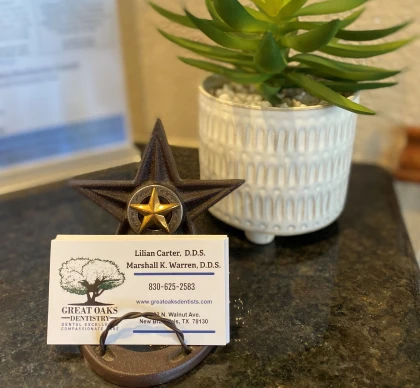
139,366
156,202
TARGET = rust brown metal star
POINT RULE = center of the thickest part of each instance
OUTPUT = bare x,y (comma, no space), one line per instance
157,173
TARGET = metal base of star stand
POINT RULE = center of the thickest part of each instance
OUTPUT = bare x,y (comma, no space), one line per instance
130,368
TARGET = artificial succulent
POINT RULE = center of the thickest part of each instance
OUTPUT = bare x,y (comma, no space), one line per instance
273,46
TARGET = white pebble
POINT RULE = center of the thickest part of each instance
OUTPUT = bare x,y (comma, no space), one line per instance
227,88
249,96
309,100
265,104
256,97
225,97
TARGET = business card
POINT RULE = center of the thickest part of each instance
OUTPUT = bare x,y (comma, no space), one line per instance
95,279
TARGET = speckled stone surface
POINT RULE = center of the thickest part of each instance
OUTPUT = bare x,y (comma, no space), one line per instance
336,308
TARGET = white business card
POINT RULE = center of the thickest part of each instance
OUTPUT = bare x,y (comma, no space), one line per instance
95,279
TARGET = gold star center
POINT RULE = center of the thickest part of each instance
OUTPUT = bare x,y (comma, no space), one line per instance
154,212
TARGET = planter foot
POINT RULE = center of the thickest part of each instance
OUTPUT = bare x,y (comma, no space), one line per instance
259,238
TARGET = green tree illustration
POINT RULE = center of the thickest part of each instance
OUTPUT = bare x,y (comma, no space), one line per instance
89,277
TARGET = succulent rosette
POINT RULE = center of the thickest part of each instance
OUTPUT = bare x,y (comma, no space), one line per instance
279,44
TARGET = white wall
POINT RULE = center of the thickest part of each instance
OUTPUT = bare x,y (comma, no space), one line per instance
167,88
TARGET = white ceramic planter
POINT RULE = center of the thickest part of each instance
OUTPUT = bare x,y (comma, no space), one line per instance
296,163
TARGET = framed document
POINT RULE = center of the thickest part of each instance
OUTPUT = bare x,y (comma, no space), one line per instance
63,106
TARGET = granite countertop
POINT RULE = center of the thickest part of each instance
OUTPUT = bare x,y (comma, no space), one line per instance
335,308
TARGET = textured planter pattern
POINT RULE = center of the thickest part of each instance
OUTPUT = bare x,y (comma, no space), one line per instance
295,162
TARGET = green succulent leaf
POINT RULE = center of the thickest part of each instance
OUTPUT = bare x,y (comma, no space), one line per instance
212,11
268,89
290,9
305,25
217,20
223,38
296,26
258,15
366,51
278,5
340,86
185,21
331,68
270,7
323,92
329,7
370,34
237,62
235,15
261,5
232,74
270,58
212,52
203,47
314,39
269,92
174,17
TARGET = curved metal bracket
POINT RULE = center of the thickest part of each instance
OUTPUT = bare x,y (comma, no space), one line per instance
131,368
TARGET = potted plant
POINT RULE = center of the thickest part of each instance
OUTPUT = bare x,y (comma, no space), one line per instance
277,114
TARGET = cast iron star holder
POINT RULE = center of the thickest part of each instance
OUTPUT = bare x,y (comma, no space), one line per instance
157,201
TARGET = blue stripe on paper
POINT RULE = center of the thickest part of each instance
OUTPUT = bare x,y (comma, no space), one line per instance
170,331
62,140
173,273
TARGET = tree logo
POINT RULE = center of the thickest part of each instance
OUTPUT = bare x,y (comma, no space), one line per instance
91,278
